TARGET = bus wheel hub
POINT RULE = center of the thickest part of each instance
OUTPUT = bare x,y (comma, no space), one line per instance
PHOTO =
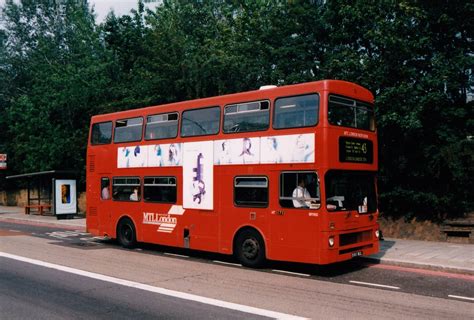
250,248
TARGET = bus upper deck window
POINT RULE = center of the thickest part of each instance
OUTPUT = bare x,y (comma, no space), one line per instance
246,117
297,111
127,130
161,126
347,112
101,133
200,122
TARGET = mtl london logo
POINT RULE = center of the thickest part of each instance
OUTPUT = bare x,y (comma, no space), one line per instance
165,222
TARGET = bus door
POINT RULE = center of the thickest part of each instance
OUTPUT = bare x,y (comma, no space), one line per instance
294,220
104,203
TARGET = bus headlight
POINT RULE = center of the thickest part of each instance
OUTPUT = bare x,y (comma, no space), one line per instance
377,234
331,241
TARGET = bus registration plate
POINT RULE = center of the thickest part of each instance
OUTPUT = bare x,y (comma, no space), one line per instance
356,254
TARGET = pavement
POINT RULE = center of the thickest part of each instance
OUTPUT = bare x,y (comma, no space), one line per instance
439,256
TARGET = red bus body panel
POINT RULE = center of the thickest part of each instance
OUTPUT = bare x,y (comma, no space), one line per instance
290,234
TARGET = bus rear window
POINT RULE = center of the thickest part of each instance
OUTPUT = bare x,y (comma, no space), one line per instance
295,112
346,112
127,130
200,122
161,126
245,117
101,133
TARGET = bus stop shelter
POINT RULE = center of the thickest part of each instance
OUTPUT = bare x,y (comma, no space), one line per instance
50,192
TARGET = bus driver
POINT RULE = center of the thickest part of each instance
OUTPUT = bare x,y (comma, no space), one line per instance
301,193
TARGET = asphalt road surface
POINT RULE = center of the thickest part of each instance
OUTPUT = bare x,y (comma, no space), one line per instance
216,286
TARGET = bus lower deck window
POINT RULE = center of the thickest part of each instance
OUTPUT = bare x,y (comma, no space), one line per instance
251,191
160,189
126,189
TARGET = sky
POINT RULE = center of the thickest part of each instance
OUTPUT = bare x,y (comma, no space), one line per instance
120,7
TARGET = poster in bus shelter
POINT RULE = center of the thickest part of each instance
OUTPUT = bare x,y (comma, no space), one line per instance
237,151
3,161
164,155
132,157
65,196
296,148
198,175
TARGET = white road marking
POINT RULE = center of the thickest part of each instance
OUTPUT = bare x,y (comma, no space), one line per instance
461,297
163,291
14,230
293,273
375,285
66,234
176,255
227,263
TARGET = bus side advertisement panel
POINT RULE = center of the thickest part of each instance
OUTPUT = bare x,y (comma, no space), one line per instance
198,175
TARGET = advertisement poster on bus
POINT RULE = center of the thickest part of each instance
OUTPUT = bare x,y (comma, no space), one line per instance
65,197
198,175
164,155
237,151
132,157
296,148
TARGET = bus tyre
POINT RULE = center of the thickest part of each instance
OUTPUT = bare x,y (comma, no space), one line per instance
249,249
126,234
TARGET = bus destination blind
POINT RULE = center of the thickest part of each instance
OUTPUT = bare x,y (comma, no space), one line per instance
356,150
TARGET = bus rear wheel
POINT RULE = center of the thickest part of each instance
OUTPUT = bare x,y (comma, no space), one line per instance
126,234
249,249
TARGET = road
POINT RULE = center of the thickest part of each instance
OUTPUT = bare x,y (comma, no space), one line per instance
52,273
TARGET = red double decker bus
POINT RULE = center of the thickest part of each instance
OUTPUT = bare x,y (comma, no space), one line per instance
282,173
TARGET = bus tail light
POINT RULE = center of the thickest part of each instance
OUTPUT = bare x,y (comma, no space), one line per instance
331,241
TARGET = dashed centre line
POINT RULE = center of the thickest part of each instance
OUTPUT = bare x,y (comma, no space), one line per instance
227,263
292,273
374,285
461,297
175,255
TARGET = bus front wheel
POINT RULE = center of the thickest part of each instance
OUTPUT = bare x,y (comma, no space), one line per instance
126,234
249,248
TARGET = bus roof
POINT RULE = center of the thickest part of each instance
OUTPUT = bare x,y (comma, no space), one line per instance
333,86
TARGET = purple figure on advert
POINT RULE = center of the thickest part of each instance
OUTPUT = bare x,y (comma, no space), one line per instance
198,183
136,151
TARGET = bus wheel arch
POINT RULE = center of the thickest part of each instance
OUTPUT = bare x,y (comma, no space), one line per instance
249,247
126,232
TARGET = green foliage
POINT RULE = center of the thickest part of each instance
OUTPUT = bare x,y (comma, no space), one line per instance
58,67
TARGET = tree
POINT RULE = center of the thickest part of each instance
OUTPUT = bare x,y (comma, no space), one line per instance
57,71
416,57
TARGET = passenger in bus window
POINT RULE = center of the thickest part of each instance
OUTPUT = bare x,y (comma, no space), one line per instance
105,189
301,193
134,195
